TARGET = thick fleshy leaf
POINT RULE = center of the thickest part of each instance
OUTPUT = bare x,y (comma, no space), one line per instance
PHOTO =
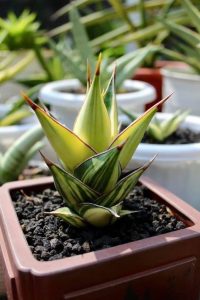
93,123
69,216
98,215
134,133
19,153
111,105
101,171
155,130
71,188
70,149
122,189
170,125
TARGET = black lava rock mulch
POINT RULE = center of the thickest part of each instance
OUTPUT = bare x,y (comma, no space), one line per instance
51,238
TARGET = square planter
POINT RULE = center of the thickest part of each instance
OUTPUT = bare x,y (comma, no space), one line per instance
161,267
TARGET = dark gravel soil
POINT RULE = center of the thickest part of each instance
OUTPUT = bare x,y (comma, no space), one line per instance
50,238
180,136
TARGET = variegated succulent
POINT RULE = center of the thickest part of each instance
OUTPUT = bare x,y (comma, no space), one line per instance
93,156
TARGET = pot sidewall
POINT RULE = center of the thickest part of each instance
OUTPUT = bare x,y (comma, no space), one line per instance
176,167
185,88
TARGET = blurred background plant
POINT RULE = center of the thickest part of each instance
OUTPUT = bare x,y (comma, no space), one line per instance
185,41
125,30
16,158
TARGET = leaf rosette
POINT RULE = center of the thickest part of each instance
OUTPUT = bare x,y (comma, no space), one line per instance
93,156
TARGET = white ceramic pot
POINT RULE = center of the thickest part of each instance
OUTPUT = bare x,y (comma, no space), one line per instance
186,88
176,167
65,105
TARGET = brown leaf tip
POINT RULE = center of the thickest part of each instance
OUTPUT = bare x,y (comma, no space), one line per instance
29,101
46,160
98,66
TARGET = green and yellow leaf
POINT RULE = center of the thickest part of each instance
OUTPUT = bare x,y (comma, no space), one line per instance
98,215
101,171
122,188
69,216
70,148
93,119
71,188
134,134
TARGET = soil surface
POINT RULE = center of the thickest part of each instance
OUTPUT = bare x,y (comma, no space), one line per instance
51,238
180,136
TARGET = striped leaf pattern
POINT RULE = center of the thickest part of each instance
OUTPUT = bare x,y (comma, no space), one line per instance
71,188
101,171
122,188
69,216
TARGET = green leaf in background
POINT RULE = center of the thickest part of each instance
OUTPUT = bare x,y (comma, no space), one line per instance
17,156
193,13
81,39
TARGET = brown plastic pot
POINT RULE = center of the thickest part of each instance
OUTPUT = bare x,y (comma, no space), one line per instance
162,267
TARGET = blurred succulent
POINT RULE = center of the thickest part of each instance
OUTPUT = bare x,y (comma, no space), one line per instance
20,32
143,29
74,57
187,46
17,156
93,156
17,111
159,130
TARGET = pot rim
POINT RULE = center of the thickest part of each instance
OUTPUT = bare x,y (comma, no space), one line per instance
174,73
51,94
27,263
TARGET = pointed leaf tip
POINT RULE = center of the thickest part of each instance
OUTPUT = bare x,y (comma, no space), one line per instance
29,101
46,160
98,66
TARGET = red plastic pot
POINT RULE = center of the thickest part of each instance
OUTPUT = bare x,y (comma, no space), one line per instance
162,267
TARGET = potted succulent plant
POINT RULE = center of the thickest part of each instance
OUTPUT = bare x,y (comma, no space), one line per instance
66,96
176,140
183,80
93,187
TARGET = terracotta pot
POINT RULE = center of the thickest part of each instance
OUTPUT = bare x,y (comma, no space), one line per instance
161,267
153,77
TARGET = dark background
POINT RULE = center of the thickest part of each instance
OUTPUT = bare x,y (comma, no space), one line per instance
43,8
